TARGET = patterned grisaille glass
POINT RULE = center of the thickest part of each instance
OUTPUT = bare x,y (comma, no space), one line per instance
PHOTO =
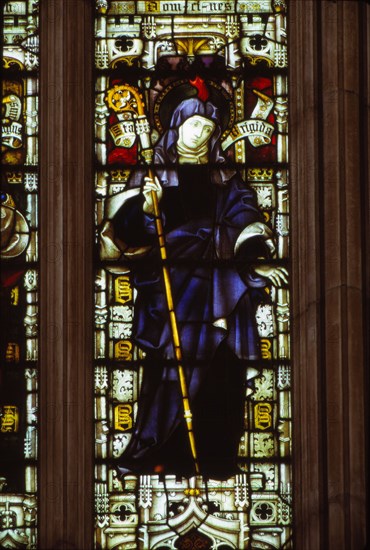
192,342
19,273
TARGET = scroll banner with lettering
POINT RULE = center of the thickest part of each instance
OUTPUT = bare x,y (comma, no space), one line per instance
256,129
11,128
11,135
123,133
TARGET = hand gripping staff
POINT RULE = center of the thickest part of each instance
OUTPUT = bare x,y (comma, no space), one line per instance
132,102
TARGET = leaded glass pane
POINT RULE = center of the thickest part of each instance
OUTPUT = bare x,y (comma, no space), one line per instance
19,274
192,296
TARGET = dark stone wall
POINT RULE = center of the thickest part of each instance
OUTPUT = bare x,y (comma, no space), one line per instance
329,46
66,294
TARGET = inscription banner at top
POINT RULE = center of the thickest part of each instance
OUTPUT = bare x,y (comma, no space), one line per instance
15,8
182,7
188,7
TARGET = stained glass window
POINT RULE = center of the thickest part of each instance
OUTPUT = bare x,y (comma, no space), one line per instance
19,273
192,346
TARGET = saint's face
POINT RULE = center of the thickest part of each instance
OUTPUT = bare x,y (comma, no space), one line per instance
196,131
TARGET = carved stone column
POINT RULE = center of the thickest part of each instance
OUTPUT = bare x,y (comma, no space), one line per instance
66,420
328,135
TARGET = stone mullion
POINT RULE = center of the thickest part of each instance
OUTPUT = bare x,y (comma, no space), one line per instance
330,480
51,432
335,361
66,452
352,229
343,277
304,155
365,178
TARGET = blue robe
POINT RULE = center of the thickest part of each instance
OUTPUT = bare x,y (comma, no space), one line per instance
202,222
205,210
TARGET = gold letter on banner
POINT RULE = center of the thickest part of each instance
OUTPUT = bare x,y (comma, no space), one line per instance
122,289
12,353
122,350
152,7
262,416
123,417
14,296
265,348
9,419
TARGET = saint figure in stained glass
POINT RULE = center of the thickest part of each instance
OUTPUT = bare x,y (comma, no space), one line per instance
216,241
